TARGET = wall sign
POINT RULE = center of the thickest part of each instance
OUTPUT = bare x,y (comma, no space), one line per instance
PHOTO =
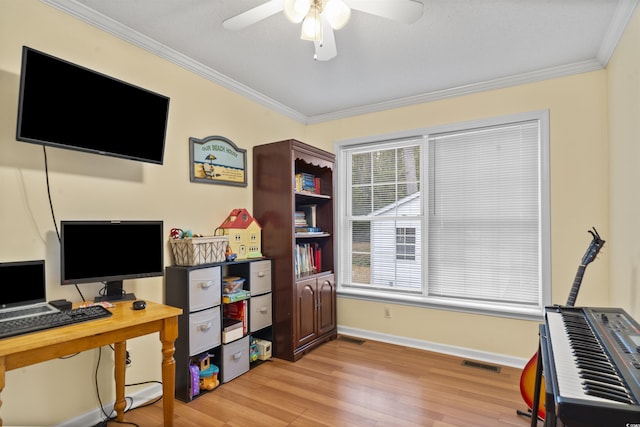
217,160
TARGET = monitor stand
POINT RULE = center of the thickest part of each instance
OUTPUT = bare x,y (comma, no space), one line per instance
115,292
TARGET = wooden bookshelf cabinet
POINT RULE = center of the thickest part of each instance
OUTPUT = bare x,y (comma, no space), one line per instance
304,295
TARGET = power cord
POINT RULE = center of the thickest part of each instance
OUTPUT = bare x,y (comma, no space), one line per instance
53,215
110,417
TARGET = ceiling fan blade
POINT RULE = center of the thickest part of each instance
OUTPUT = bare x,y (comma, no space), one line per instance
251,16
405,11
326,49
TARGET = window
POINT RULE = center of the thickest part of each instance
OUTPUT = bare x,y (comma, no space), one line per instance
405,243
454,217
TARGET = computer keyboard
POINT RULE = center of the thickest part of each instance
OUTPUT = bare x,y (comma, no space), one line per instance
24,325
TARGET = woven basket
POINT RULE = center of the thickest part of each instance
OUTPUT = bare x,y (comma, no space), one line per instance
199,250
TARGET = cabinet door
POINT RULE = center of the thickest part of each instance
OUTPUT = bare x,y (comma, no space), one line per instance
306,318
326,304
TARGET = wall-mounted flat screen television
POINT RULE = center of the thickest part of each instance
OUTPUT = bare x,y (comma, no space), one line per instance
110,252
68,106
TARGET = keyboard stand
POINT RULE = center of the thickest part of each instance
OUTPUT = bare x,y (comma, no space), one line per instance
538,385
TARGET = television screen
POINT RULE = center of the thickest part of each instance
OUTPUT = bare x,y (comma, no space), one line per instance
68,106
110,252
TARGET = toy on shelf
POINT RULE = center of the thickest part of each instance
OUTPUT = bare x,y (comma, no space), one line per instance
195,380
253,350
232,284
208,373
230,255
244,233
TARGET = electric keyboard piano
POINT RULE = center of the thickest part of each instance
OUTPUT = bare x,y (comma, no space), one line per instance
591,364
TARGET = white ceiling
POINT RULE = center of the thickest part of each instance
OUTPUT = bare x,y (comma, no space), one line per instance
457,47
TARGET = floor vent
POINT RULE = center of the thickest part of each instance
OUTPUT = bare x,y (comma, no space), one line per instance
484,366
351,340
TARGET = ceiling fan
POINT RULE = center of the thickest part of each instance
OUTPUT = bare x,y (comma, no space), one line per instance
320,17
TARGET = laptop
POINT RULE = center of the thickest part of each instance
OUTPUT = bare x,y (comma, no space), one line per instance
23,290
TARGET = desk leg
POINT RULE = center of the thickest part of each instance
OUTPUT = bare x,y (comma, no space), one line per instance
2,371
168,335
120,364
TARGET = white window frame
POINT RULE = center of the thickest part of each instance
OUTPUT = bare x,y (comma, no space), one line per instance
343,239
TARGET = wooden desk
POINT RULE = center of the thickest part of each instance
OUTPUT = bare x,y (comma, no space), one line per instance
126,323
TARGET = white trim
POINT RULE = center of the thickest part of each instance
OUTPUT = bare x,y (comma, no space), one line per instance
139,398
467,353
119,30
622,15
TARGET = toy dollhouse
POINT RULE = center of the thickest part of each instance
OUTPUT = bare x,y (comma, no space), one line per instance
244,234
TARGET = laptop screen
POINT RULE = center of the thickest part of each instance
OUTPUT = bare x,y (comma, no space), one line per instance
22,283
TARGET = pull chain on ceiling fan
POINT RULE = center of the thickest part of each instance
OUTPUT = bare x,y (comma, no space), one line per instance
320,18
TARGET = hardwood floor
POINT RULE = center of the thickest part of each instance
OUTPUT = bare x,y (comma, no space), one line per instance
349,382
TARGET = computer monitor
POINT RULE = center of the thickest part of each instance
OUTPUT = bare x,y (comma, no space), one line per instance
65,105
110,252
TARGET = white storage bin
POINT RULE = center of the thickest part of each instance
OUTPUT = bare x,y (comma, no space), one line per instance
260,281
204,330
260,312
204,288
235,359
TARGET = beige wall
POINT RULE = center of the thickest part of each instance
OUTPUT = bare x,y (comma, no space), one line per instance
624,195
579,196
86,186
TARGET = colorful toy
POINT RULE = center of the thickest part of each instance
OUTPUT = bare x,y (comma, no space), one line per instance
229,255
176,233
244,234
208,373
253,350
195,380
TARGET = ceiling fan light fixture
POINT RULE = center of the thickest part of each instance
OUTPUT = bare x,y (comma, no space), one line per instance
312,26
296,10
337,13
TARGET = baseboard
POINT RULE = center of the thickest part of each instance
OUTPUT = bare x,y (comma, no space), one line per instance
495,358
138,398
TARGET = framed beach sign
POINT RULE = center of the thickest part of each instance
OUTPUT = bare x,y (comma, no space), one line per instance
217,160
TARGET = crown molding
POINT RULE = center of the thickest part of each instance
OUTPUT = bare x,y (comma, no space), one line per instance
623,14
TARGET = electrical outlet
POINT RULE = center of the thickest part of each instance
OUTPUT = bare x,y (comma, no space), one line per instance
387,312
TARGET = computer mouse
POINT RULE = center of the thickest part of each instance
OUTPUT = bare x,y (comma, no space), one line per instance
139,305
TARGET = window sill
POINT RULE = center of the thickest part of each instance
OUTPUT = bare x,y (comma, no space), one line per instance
498,310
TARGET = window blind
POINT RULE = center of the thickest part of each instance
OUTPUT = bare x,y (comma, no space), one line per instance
483,214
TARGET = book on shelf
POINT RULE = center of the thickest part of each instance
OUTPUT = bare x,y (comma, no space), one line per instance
316,230
231,330
237,311
308,258
300,219
229,324
307,182
309,214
